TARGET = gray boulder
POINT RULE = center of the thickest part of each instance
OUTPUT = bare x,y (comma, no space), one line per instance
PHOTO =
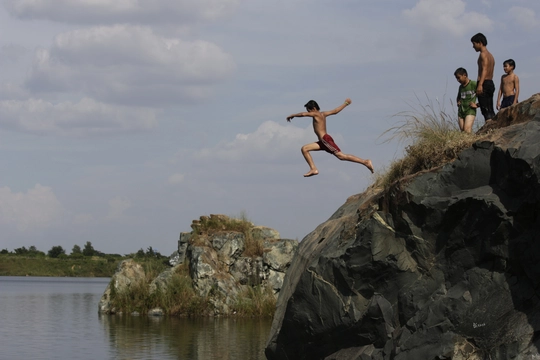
127,274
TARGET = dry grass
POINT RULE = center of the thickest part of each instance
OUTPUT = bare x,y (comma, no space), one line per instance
178,298
257,301
212,224
434,139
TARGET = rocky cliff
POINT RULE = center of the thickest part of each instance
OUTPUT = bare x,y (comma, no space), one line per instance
442,265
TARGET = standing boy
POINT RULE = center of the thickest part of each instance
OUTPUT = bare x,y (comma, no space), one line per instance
325,142
466,100
485,88
509,88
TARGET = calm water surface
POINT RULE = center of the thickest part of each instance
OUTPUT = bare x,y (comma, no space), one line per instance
57,318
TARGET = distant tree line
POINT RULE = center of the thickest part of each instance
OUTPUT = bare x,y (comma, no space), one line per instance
78,253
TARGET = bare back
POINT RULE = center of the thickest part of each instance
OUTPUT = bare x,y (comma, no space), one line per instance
486,66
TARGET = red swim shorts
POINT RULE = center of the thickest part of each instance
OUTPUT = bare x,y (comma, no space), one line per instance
327,144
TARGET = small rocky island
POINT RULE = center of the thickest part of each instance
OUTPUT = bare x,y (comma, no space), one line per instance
224,260
443,264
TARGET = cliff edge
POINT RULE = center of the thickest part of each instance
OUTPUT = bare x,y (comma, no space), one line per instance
442,265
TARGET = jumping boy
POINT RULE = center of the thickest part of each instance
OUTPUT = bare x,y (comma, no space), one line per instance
509,88
466,100
325,142
485,88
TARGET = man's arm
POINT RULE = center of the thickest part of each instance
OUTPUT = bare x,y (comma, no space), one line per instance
302,114
346,103
516,86
499,94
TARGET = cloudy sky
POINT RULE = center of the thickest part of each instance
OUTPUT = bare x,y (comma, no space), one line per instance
122,121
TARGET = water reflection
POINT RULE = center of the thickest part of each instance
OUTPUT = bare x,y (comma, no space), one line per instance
180,338
57,318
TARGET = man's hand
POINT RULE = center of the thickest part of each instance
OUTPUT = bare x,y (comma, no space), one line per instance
289,118
479,89
348,101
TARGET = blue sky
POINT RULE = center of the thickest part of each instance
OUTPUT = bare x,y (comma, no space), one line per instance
121,122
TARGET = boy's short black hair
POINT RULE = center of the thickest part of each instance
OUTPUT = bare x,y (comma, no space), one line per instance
479,38
510,62
461,71
312,104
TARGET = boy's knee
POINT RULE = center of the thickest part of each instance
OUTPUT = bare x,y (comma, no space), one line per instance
341,156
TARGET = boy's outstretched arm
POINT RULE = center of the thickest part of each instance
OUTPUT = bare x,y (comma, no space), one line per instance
346,103
302,114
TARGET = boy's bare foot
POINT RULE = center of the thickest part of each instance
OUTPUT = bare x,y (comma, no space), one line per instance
369,165
311,173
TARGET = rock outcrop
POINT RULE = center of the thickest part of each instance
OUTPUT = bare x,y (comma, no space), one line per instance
223,263
219,266
442,265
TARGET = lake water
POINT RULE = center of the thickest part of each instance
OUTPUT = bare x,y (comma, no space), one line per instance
57,318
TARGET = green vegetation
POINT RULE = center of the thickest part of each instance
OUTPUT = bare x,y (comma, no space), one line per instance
80,263
434,139
20,265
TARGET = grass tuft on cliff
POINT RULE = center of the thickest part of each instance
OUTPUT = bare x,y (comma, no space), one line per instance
434,139
208,225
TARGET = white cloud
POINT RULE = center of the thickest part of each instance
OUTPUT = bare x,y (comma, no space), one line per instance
86,117
176,179
12,91
36,209
129,65
270,141
117,206
524,17
448,16
124,11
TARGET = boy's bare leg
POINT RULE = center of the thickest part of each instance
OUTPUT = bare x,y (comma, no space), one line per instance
305,151
347,157
468,123
461,123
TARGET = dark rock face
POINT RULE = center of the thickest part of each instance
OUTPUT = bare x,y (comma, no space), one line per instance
445,265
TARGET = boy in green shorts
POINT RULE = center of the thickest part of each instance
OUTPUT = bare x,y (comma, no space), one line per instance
466,100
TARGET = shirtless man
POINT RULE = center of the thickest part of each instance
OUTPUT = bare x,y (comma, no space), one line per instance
485,87
325,142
